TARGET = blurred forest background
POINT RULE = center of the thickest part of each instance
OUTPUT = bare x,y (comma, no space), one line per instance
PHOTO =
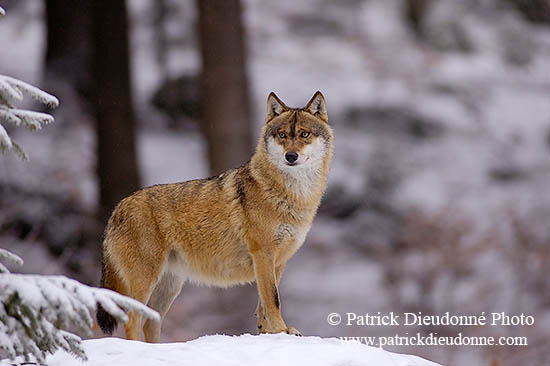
439,193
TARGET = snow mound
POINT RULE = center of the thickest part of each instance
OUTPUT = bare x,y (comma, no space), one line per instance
221,350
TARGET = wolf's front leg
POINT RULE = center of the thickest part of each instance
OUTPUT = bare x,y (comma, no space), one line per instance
263,326
268,291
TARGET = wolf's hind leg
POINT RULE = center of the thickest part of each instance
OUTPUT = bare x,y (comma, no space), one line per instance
166,290
145,268
140,289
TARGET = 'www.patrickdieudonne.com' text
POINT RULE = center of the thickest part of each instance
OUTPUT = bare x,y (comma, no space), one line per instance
433,339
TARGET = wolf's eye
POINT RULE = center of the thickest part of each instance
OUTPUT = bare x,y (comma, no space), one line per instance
305,134
282,135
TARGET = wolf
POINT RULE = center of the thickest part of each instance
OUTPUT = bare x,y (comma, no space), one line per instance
237,227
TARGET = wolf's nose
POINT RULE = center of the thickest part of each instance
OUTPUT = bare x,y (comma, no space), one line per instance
291,156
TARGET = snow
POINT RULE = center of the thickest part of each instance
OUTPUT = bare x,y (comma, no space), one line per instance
44,306
164,157
493,114
15,89
222,350
12,90
7,256
5,139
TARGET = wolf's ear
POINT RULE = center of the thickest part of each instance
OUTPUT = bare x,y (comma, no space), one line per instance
275,106
317,106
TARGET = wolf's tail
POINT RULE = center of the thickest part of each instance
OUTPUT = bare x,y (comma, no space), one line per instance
106,321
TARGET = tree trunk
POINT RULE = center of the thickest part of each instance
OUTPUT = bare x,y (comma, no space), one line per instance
226,120
224,84
116,153
536,11
68,69
161,11
415,11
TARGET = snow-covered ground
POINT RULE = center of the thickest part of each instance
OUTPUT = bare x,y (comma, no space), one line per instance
244,350
439,192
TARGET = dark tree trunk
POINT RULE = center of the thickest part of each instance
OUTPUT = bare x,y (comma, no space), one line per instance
226,121
536,11
68,70
415,11
226,106
116,152
161,12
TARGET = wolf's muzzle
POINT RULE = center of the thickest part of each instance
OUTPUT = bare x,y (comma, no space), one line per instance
291,157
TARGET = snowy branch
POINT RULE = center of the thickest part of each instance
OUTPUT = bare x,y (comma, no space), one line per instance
11,91
7,256
15,90
38,309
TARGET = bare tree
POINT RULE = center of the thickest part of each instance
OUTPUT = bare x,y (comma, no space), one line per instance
68,70
226,118
226,105
161,11
116,152
415,11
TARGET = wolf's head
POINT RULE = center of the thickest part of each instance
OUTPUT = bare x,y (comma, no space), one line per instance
298,141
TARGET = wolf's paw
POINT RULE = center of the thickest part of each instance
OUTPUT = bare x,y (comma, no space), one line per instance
294,331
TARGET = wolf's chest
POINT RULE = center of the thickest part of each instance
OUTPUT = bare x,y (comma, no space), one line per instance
283,233
288,238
